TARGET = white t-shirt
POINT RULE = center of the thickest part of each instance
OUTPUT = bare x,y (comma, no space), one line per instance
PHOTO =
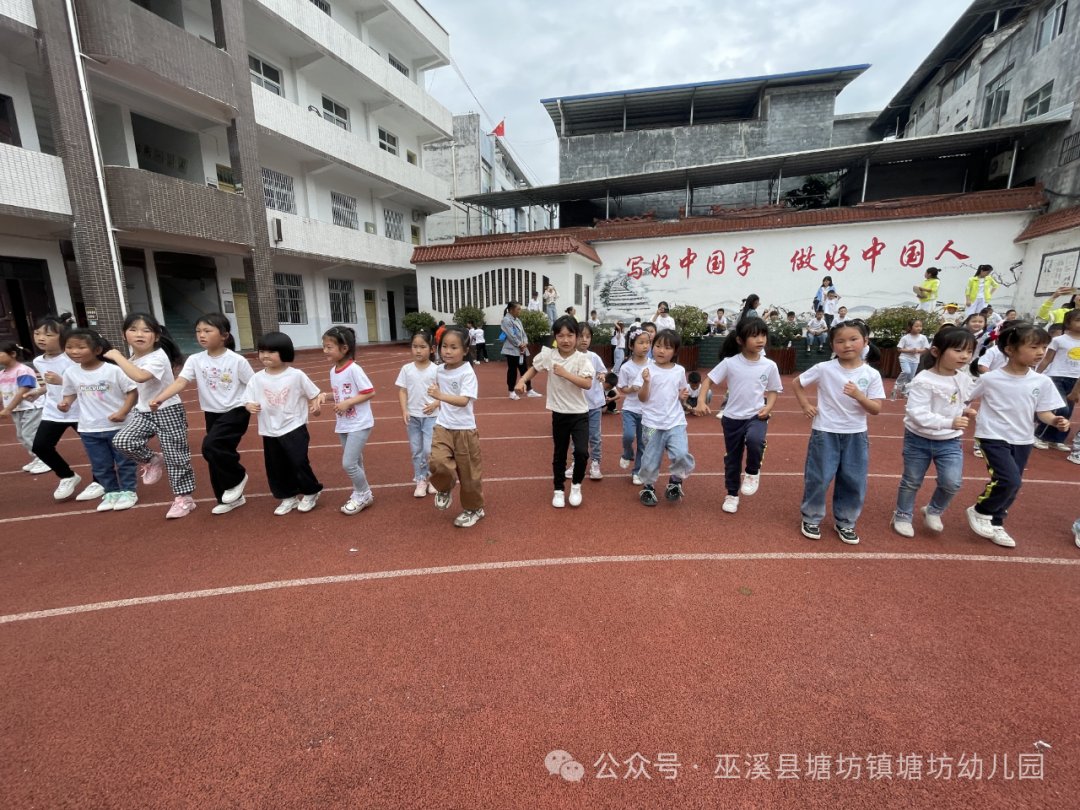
630,375
458,382
283,398
157,363
747,384
618,340
476,336
416,383
221,379
663,410
351,381
562,395
830,305
594,397
993,359
19,376
1009,404
1066,362
837,412
535,305
934,401
54,393
817,325
665,322
910,341
101,393
718,320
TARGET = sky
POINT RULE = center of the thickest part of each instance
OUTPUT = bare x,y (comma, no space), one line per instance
514,53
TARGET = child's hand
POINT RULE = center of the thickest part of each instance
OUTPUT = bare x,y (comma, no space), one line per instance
684,394
960,423
405,417
63,407
114,355
852,390
433,391
1073,397
315,406
154,404
253,407
33,395
52,378
763,413
809,411
1061,423
644,378
702,409
970,413
4,414
559,371
340,408
430,408
520,389
117,417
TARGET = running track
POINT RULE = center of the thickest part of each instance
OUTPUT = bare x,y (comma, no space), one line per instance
391,660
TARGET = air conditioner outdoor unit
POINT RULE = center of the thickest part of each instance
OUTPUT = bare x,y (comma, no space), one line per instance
275,229
370,227
1000,165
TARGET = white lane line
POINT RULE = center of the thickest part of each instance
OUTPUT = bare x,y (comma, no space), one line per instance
513,564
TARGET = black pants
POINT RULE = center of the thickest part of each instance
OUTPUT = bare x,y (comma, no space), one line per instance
564,427
48,436
1006,463
223,434
514,366
742,435
287,467
481,351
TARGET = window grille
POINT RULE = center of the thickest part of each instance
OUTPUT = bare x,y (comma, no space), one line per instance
289,291
278,191
342,301
344,208
395,224
322,6
398,64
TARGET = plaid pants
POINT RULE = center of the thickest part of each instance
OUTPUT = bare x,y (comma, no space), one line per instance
170,426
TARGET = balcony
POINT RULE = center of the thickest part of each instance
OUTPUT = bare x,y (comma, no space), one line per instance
329,37
32,184
312,238
421,23
314,134
21,11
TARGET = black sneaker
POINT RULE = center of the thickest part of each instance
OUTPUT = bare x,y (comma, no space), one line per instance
674,491
648,496
811,530
847,535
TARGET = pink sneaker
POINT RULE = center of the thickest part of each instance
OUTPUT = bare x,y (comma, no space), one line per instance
181,507
152,470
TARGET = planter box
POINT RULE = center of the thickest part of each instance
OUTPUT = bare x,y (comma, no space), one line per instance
688,357
783,357
606,353
534,352
889,364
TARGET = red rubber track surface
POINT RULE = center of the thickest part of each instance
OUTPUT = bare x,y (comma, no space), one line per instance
591,630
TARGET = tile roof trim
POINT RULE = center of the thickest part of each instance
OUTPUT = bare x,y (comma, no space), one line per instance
1064,220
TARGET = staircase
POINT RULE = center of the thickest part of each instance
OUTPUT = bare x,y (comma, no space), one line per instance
182,330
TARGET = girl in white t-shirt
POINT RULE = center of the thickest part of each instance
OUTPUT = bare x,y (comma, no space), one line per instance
911,348
663,421
352,389
934,423
595,399
1012,398
153,357
455,444
639,345
754,383
222,376
283,396
1062,365
417,408
848,389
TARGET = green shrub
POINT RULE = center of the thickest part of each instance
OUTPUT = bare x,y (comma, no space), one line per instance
467,315
601,335
784,331
690,322
419,322
887,326
537,326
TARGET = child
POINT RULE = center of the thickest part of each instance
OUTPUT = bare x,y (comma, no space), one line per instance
950,314
663,423
19,402
283,397
718,324
639,345
352,412
571,372
841,316
1012,397
1062,365
992,318
694,379
222,376
618,340
911,347
153,357
848,389
830,306
752,380
611,392
106,396
594,398
816,331
455,444
594,319
413,382
928,290
934,424
476,337
976,324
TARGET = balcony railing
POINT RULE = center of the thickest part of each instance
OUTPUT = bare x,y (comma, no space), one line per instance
314,238
34,183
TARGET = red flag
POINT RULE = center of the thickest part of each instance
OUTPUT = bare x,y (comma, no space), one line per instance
500,130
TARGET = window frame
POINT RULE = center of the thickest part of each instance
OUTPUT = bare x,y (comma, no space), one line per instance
399,66
333,116
274,191
414,232
1037,100
8,105
393,224
388,141
1053,12
283,283
259,78
962,75
343,214
410,157
997,89
344,298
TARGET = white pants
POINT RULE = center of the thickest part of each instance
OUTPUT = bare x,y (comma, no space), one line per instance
977,307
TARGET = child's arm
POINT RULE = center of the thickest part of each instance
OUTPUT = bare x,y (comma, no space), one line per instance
15,400
171,391
1048,418
809,411
403,398
871,406
576,379
702,407
129,403
315,404
643,391
341,407
64,405
1046,361
435,393
139,375
770,401
1074,395
519,388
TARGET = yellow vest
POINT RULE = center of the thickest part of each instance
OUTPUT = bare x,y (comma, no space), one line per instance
972,289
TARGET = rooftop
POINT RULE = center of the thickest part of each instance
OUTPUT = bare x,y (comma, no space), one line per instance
1064,220
539,243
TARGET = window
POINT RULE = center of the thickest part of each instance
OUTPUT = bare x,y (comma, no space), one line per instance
264,75
289,291
335,113
411,157
9,130
1051,23
398,64
387,141
1070,148
395,224
997,98
225,179
342,301
961,126
344,210
278,191
961,77
577,289
415,231
1038,103
322,6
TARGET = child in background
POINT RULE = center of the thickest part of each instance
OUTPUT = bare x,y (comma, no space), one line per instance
817,331
694,379
153,357
718,323
476,337
19,401
831,306
283,396
752,380
911,347
222,377
618,340
594,398
848,389
841,316
927,292
1062,365
611,392
663,423
594,319
992,318
934,424
413,382
639,345
455,444
976,324
570,374
352,412
1012,398
106,396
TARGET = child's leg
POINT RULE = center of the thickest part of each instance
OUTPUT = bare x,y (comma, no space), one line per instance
131,440
416,447
917,455
594,433
469,468
640,435
949,463
561,424
172,430
26,427
579,434
678,450
822,460
755,444
279,469
1006,463
628,433
295,446
849,489
98,448
223,434
48,436
127,471
651,456
734,441
352,460
1049,433
442,463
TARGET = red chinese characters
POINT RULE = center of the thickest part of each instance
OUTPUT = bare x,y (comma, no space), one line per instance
687,261
634,268
742,260
912,254
837,259
716,263
871,253
949,249
802,260
660,267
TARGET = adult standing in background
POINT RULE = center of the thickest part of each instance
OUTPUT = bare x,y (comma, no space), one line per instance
822,293
571,312
550,297
1052,315
979,289
927,292
515,349
662,319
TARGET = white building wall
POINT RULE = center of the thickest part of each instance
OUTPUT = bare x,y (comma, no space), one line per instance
33,180
20,11
1030,294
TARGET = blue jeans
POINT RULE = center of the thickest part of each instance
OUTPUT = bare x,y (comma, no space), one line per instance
821,340
420,429
678,450
948,458
620,355
845,457
552,316
909,367
1049,433
112,469
352,460
631,432
594,434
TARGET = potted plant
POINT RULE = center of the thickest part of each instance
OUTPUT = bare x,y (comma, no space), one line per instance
888,325
601,343
537,328
691,324
784,339
467,315
419,322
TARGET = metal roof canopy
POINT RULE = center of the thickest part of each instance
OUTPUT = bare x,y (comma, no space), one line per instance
680,104
793,164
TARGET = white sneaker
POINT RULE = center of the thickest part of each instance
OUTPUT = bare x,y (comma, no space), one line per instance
39,467
1041,445
230,495
1074,458
1076,534
534,394
559,499
636,481
125,500
307,502
421,489
222,508
354,506
594,471
92,492
467,518
720,415
932,521
513,395
1061,446
108,502
626,462
980,524
26,467
903,528
1001,538
431,490
750,484
67,487
570,471
731,503
575,495
286,506
978,453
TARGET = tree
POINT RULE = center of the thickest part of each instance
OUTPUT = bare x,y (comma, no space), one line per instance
814,192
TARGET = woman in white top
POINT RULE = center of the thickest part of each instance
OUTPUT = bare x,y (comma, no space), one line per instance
662,319
550,297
